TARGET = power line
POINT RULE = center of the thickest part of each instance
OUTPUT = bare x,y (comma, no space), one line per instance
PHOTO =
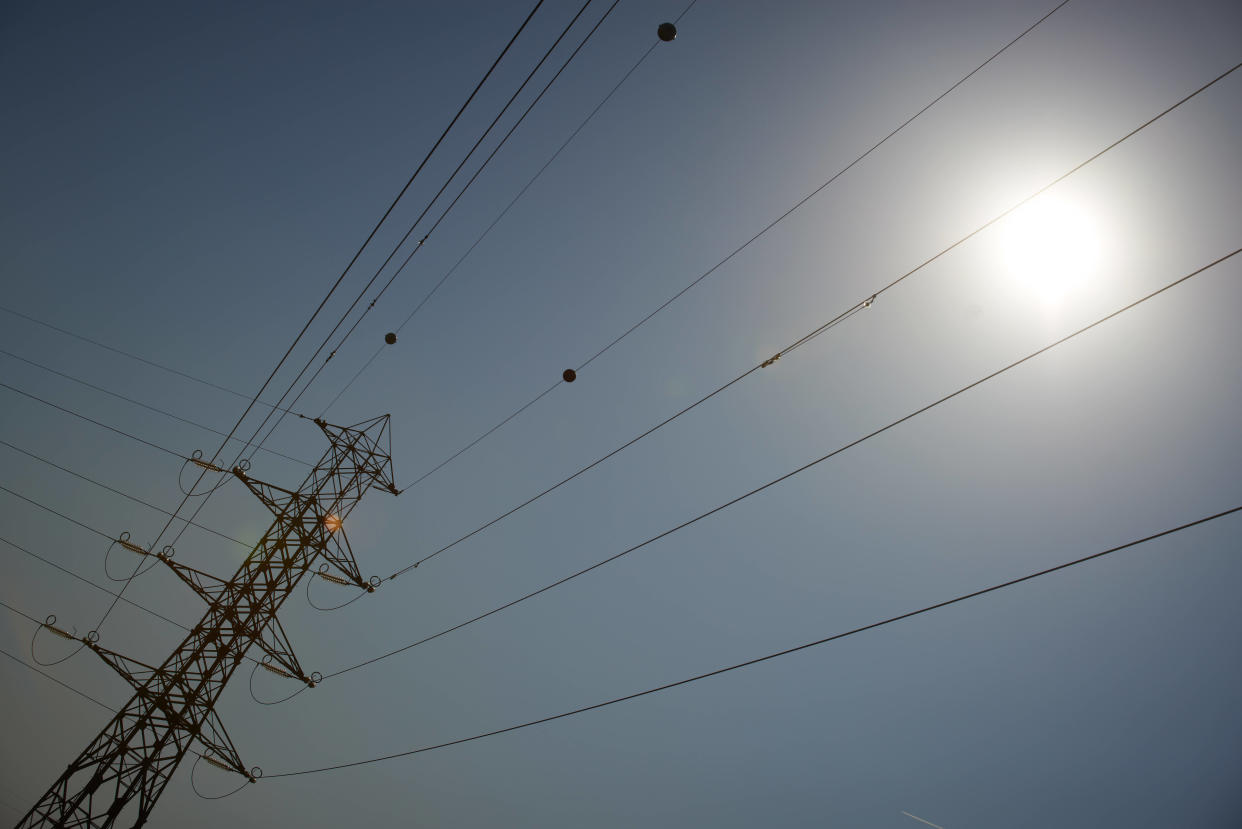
444,213
190,522
744,245
786,652
505,212
530,76
116,596
817,331
817,190
46,675
838,319
138,403
362,293
58,514
482,437
203,501
87,581
123,353
794,472
81,416
116,491
404,238
398,198
98,587
19,612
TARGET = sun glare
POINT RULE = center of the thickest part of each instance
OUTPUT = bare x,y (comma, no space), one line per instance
1052,247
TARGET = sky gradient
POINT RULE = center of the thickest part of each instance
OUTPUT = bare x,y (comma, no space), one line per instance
185,182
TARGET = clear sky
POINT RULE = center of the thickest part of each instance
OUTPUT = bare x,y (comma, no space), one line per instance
184,182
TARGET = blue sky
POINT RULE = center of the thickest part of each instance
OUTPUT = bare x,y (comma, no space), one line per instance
185,183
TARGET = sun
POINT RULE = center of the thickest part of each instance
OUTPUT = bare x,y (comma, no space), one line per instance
1051,247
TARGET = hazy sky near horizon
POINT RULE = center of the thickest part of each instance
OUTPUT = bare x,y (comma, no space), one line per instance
185,181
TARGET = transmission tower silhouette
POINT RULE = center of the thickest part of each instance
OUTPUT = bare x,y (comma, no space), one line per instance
125,769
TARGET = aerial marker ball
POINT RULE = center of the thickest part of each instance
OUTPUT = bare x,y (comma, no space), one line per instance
666,32
390,338
569,375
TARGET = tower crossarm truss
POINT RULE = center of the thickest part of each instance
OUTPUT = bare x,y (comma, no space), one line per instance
120,775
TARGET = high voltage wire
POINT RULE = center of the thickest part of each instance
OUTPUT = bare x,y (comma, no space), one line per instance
129,435
444,213
419,306
817,190
738,249
116,491
131,356
20,612
81,416
426,158
770,656
174,515
408,184
322,304
138,403
30,618
794,472
57,513
530,76
581,710
362,293
116,596
95,585
816,332
87,581
838,319
891,285
375,276
46,675
506,210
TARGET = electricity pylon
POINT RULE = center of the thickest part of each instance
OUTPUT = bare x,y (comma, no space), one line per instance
125,769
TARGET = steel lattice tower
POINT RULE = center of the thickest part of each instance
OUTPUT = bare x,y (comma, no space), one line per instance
126,767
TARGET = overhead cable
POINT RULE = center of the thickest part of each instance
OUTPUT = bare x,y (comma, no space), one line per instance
131,356
738,249
87,581
362,293
62,684
838,319
814,192
20,613
57,513
116,491
770,656
203,501
445,277
530,76
98,587
138,403
731,502
81,416
815,332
